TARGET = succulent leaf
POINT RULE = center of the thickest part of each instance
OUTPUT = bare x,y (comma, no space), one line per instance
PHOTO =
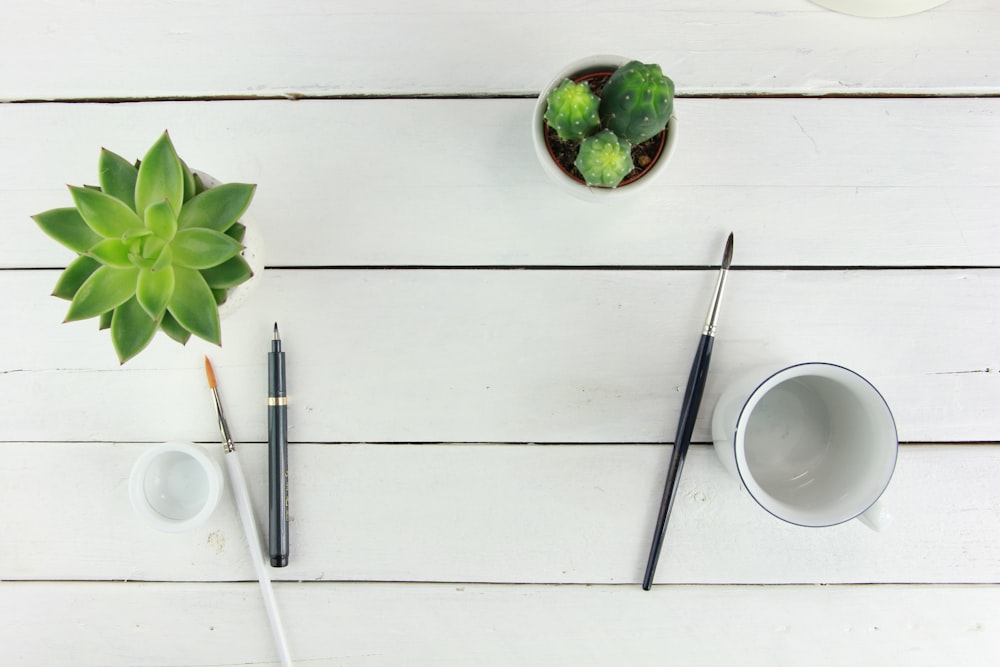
152,246
573,110
637,101
131,329
173,328
161,176
199,248
190,186
66,226
103,213
604,159
237,231
193,305
142,262
106,288
161,220
230,273
164,261
199,185
218,208
105,320
112,252
75,274
154,289
118,177
135,234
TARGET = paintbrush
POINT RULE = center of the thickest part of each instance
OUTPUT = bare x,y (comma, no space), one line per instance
689,413
239,484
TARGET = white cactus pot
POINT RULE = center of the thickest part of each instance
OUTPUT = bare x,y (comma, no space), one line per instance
556,173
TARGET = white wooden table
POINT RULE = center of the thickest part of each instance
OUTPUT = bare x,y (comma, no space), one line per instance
485,373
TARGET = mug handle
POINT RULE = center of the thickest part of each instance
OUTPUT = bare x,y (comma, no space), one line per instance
876,517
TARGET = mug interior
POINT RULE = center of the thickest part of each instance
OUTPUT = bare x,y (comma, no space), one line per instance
816,444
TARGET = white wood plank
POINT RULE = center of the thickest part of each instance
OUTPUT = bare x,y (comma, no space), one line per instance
66,49
507,356
904,182
498,513
391,625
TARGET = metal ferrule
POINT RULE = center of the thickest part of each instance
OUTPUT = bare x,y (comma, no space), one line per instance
712,320
227,439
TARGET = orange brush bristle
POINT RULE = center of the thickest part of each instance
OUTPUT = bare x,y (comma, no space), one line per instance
210,374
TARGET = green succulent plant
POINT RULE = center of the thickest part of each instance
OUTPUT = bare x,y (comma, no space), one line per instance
634,105
604,159
573,111
156,249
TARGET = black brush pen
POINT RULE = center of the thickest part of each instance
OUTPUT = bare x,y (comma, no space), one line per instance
689,413
277,453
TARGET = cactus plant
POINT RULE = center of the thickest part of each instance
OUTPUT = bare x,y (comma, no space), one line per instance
573,111
156,249
637,101
604,159
634,102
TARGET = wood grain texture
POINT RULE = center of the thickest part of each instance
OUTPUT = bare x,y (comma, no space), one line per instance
501,514
507,356
801,182
443,306
545,626
72,50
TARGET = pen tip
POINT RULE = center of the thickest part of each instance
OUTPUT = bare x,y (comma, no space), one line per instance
210,374
727,256
276,335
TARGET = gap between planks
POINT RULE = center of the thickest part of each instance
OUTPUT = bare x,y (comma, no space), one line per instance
510,95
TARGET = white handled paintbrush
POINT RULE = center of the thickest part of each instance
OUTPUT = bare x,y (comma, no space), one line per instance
239,484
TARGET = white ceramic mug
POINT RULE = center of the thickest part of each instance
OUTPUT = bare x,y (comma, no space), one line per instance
814,443
175,486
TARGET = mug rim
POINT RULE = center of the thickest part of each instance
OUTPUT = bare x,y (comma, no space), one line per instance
749,403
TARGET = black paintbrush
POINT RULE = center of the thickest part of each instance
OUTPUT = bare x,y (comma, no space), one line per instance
689,412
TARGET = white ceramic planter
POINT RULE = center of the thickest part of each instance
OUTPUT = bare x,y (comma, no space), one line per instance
555,172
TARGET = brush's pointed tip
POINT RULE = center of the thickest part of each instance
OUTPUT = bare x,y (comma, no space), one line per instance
210,373
727,256
277,336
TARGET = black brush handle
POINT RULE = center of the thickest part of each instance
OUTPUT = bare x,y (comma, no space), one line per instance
685,426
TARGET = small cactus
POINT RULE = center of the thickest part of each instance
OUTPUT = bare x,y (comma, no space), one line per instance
573,111
637,101
604,159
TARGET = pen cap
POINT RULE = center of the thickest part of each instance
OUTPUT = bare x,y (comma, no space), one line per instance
276,373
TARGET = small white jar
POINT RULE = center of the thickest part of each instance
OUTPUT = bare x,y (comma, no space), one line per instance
175,486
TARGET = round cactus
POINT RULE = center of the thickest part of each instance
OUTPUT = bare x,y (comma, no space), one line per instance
604,159
573,110
637,101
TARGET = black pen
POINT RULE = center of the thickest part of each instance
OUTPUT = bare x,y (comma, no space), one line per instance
277,453
689,413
